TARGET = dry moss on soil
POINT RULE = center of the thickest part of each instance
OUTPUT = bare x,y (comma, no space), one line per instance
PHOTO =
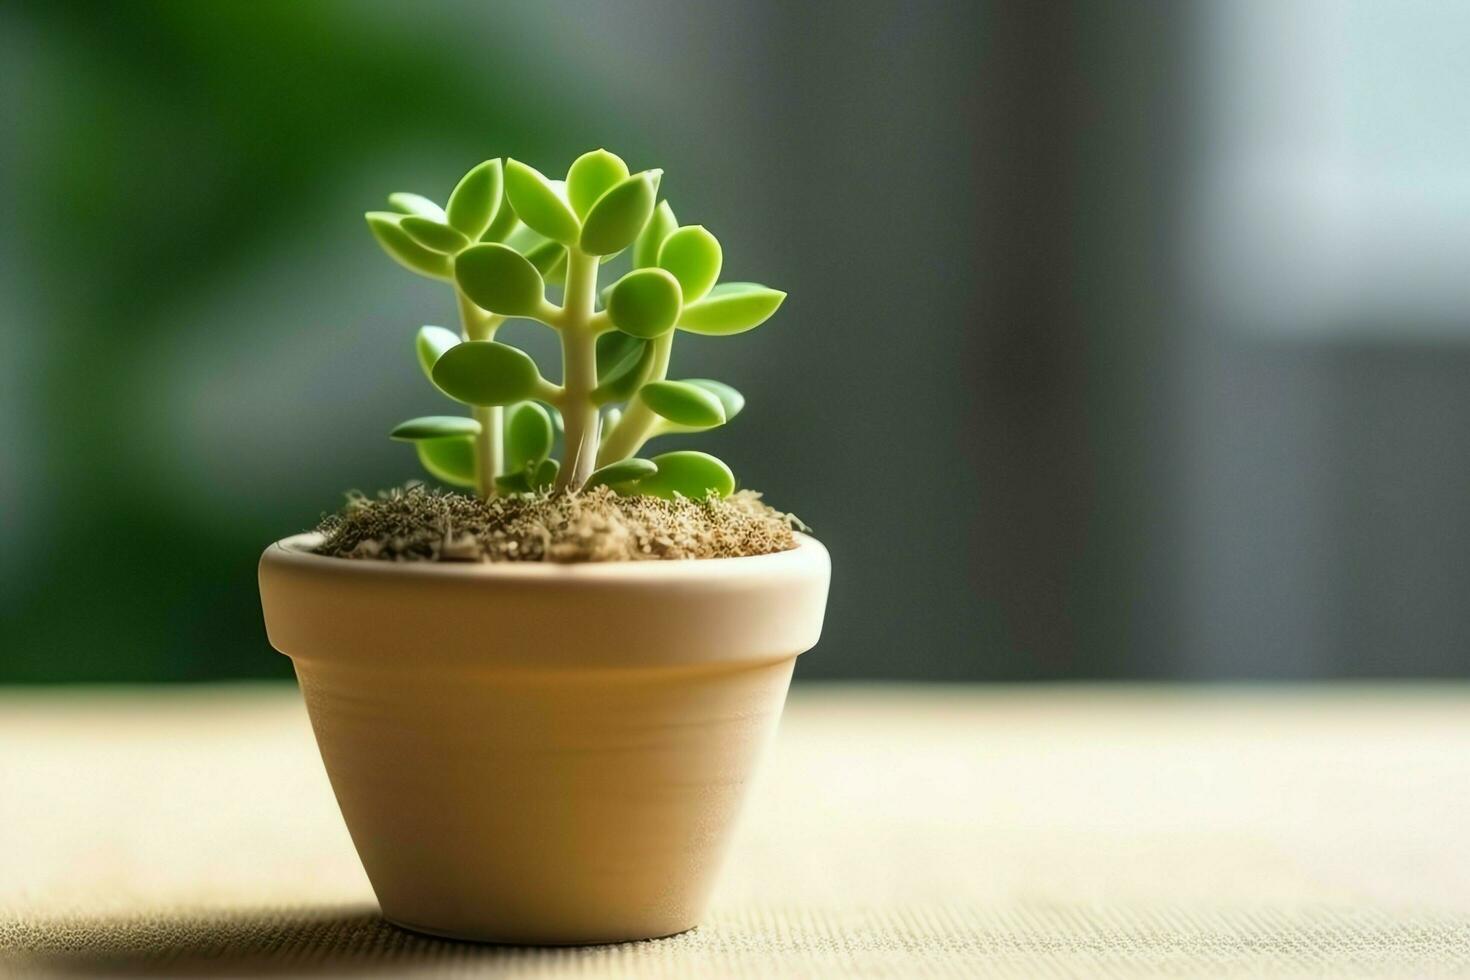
418,524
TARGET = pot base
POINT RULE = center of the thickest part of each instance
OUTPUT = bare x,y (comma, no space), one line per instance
528,943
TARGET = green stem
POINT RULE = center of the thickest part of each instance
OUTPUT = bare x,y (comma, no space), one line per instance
579,370
636,425
488,444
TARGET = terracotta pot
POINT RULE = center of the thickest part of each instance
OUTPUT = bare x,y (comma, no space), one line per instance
538,753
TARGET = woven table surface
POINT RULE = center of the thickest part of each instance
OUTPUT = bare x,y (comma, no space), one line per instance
894,832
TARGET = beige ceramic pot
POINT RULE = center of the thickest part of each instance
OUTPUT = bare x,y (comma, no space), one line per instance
538,753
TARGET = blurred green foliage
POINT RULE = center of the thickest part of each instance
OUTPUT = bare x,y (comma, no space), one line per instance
162,155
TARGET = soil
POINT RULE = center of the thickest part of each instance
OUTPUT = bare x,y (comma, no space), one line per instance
415,523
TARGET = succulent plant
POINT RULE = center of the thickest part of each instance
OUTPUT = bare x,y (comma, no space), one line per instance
507,235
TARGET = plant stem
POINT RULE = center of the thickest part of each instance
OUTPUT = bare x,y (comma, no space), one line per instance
636,425
579,370
488,450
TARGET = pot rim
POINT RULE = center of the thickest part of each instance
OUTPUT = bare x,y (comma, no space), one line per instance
297,550
544,615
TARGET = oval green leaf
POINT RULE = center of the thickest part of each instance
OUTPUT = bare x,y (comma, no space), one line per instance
476,199
430,345
624,380
544,475
432,235
407,203
732,400
528,434
592,175
683,404
694,256
504,222
660,226
690,474
498,278
483,372
622,475
435,427
403,249
451,460
549,258
616,352
538,204
731,307
620,214
514,482
645,303
524,239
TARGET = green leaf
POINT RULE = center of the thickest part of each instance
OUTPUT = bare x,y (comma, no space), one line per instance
528,434
407,203
660,226
590,176
616,352
451,459
683,404
499,279
622,379
693,255
544,475
483,372
430,344
535,475
549,258
644,303
432,235
514,482
435,427
731,307
504,222
620,214
403,249
622,475
558,274
732,400
476,199
538,204
524,239
690,474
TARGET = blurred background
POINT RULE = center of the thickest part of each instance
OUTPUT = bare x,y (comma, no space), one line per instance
1124,340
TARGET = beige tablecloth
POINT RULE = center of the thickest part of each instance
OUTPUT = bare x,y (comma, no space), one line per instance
895,832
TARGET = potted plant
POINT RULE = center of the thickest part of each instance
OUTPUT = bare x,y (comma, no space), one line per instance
539,704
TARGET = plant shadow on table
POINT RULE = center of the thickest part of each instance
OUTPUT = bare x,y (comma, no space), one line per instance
248,944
